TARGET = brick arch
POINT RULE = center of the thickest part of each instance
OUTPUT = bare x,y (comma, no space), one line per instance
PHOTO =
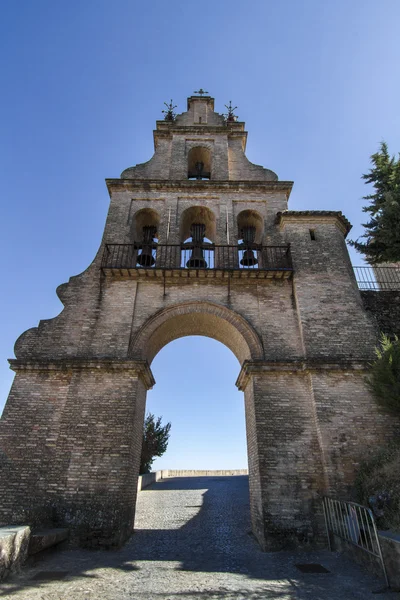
141,218
198,214
254,218
197,318
190,144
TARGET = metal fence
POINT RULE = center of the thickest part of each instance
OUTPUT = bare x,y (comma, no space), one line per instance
355,524
378,278
191,256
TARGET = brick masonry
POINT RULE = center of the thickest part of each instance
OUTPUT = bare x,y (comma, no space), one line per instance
384,307
72,427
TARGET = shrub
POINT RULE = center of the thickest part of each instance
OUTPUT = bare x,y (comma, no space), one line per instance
378,485
384,377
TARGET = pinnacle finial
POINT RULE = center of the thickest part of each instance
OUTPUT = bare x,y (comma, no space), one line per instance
230,117
169,114
201,92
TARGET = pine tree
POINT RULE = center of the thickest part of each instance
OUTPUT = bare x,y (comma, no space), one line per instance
155,441
383,229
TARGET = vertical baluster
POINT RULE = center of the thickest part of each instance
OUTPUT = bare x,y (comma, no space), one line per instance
342,527
370,532
335,516
363,528
118,256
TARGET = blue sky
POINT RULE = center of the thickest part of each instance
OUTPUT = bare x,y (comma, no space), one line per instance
83,84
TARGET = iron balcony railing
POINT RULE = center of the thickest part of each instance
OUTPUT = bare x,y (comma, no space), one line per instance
204,256
378,278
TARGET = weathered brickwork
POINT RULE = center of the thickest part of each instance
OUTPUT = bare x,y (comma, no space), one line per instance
384,306
71,432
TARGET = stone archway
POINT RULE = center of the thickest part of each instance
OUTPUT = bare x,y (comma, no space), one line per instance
71,431
223,324
197,318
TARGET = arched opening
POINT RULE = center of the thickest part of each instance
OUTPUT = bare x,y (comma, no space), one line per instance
145,226
205,406
250,233
205,409
199,163
203,318
197,234
204,485
146,217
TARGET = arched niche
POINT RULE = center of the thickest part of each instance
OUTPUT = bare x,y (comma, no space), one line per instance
197,318
198,214
146,217
251,218
199,163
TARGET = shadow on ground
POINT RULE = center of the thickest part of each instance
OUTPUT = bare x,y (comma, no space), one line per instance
195,530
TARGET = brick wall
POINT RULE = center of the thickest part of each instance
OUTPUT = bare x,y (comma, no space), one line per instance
384,307
71,432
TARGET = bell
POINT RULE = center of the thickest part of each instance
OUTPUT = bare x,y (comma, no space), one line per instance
196,260
249,259
146,258
248,235
199,166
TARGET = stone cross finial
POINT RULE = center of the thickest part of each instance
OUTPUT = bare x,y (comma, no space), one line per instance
201,92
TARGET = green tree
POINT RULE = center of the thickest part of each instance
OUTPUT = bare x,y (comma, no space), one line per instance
382,233
155,441
384,378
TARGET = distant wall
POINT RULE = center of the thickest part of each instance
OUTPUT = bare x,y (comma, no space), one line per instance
146,480
384,306
215,473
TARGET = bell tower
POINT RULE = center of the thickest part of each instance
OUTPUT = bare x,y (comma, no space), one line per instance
197,241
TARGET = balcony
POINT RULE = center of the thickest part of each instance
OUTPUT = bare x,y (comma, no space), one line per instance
378,279
197,261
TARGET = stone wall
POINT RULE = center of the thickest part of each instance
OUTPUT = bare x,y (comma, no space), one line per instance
384,307
390,546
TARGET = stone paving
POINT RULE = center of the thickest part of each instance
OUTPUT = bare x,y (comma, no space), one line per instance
192,541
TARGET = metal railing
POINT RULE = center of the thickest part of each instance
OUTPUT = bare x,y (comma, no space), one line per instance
378,278
355,524
190,256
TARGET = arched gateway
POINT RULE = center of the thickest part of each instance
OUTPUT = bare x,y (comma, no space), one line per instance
198,240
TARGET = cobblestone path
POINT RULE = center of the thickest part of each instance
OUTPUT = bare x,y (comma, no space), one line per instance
192,541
